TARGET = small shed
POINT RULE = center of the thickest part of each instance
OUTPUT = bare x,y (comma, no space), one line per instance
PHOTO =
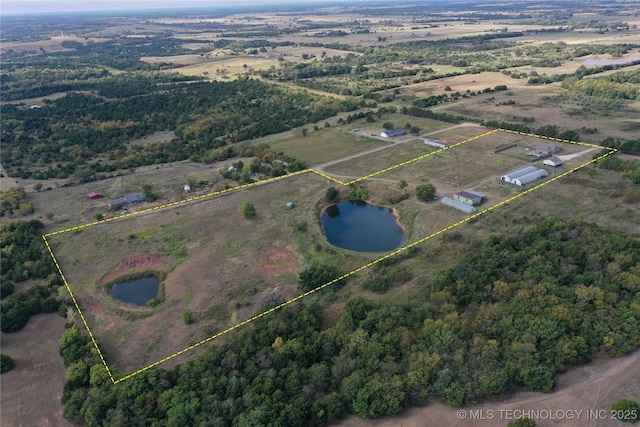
289,205
392,133
435,143
468,197
95,195
553,161
187,188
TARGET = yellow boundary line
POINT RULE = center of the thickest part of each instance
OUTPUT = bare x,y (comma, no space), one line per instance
299,297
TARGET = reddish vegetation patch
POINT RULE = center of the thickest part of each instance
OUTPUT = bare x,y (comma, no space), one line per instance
277,262
138,262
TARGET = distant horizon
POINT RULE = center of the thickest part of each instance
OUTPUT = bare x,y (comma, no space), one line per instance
47,7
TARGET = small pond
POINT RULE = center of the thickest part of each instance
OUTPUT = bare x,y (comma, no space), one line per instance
359,226
615,61
137,291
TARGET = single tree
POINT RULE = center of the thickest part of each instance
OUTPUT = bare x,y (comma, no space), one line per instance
425,192
331,195
247,210
6,363
147,190
626,410
402,185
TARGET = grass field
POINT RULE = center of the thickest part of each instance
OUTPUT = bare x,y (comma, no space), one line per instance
374,162
324,145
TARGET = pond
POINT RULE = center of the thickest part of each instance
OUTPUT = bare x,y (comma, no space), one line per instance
138,291
616,61
362,227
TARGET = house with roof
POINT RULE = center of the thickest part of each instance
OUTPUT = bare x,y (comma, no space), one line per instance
547,149
129,199
391,133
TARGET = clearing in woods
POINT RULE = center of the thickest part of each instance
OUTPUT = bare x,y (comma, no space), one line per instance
224,268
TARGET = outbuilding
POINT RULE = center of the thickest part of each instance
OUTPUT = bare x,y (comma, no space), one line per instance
289,205
552,161
530,177
392,133
520,172
187,188
457,205
468,197
95,195
435,143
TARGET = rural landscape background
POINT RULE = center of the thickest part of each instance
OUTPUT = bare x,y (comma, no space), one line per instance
206,149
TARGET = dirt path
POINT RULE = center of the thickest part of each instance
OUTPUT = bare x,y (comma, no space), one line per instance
573,156
320,168
591,387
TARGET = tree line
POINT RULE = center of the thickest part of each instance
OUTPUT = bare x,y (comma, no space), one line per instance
511,314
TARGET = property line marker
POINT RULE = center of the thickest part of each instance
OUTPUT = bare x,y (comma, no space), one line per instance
312,291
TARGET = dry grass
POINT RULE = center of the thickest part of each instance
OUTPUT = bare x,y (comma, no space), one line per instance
227,275
31,392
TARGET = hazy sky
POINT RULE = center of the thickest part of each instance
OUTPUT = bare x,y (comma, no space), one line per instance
47,6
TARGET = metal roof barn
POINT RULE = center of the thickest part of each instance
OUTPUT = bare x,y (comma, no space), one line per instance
530,177
520,172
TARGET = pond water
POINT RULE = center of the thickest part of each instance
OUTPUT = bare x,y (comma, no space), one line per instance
616,61
138,291
359,226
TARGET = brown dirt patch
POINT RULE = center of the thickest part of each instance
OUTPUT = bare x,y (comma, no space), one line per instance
31,392
277,262
138,262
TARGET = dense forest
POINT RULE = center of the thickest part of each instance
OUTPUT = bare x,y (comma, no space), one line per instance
518,309
67,135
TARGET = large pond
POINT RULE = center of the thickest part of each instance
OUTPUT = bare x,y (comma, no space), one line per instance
138,291
362,227
615,61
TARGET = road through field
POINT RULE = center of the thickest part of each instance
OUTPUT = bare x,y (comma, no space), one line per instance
320,168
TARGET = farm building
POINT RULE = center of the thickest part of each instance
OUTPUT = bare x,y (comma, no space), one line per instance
93,195
435,143
129,199
468,197
460,206
547,149
552,161
520,172
392,133
530,177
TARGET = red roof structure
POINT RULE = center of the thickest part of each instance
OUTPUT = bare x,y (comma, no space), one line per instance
94,195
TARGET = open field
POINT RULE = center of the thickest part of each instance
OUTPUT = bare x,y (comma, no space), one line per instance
550,105
415,147
325,144
31,392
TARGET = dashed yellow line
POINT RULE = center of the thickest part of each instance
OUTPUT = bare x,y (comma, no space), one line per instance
415,159
303,295
75,302
180,202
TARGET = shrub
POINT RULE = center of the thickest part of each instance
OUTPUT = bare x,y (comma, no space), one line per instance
247,210
626,410
425,192
331,195
187,316
6,363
